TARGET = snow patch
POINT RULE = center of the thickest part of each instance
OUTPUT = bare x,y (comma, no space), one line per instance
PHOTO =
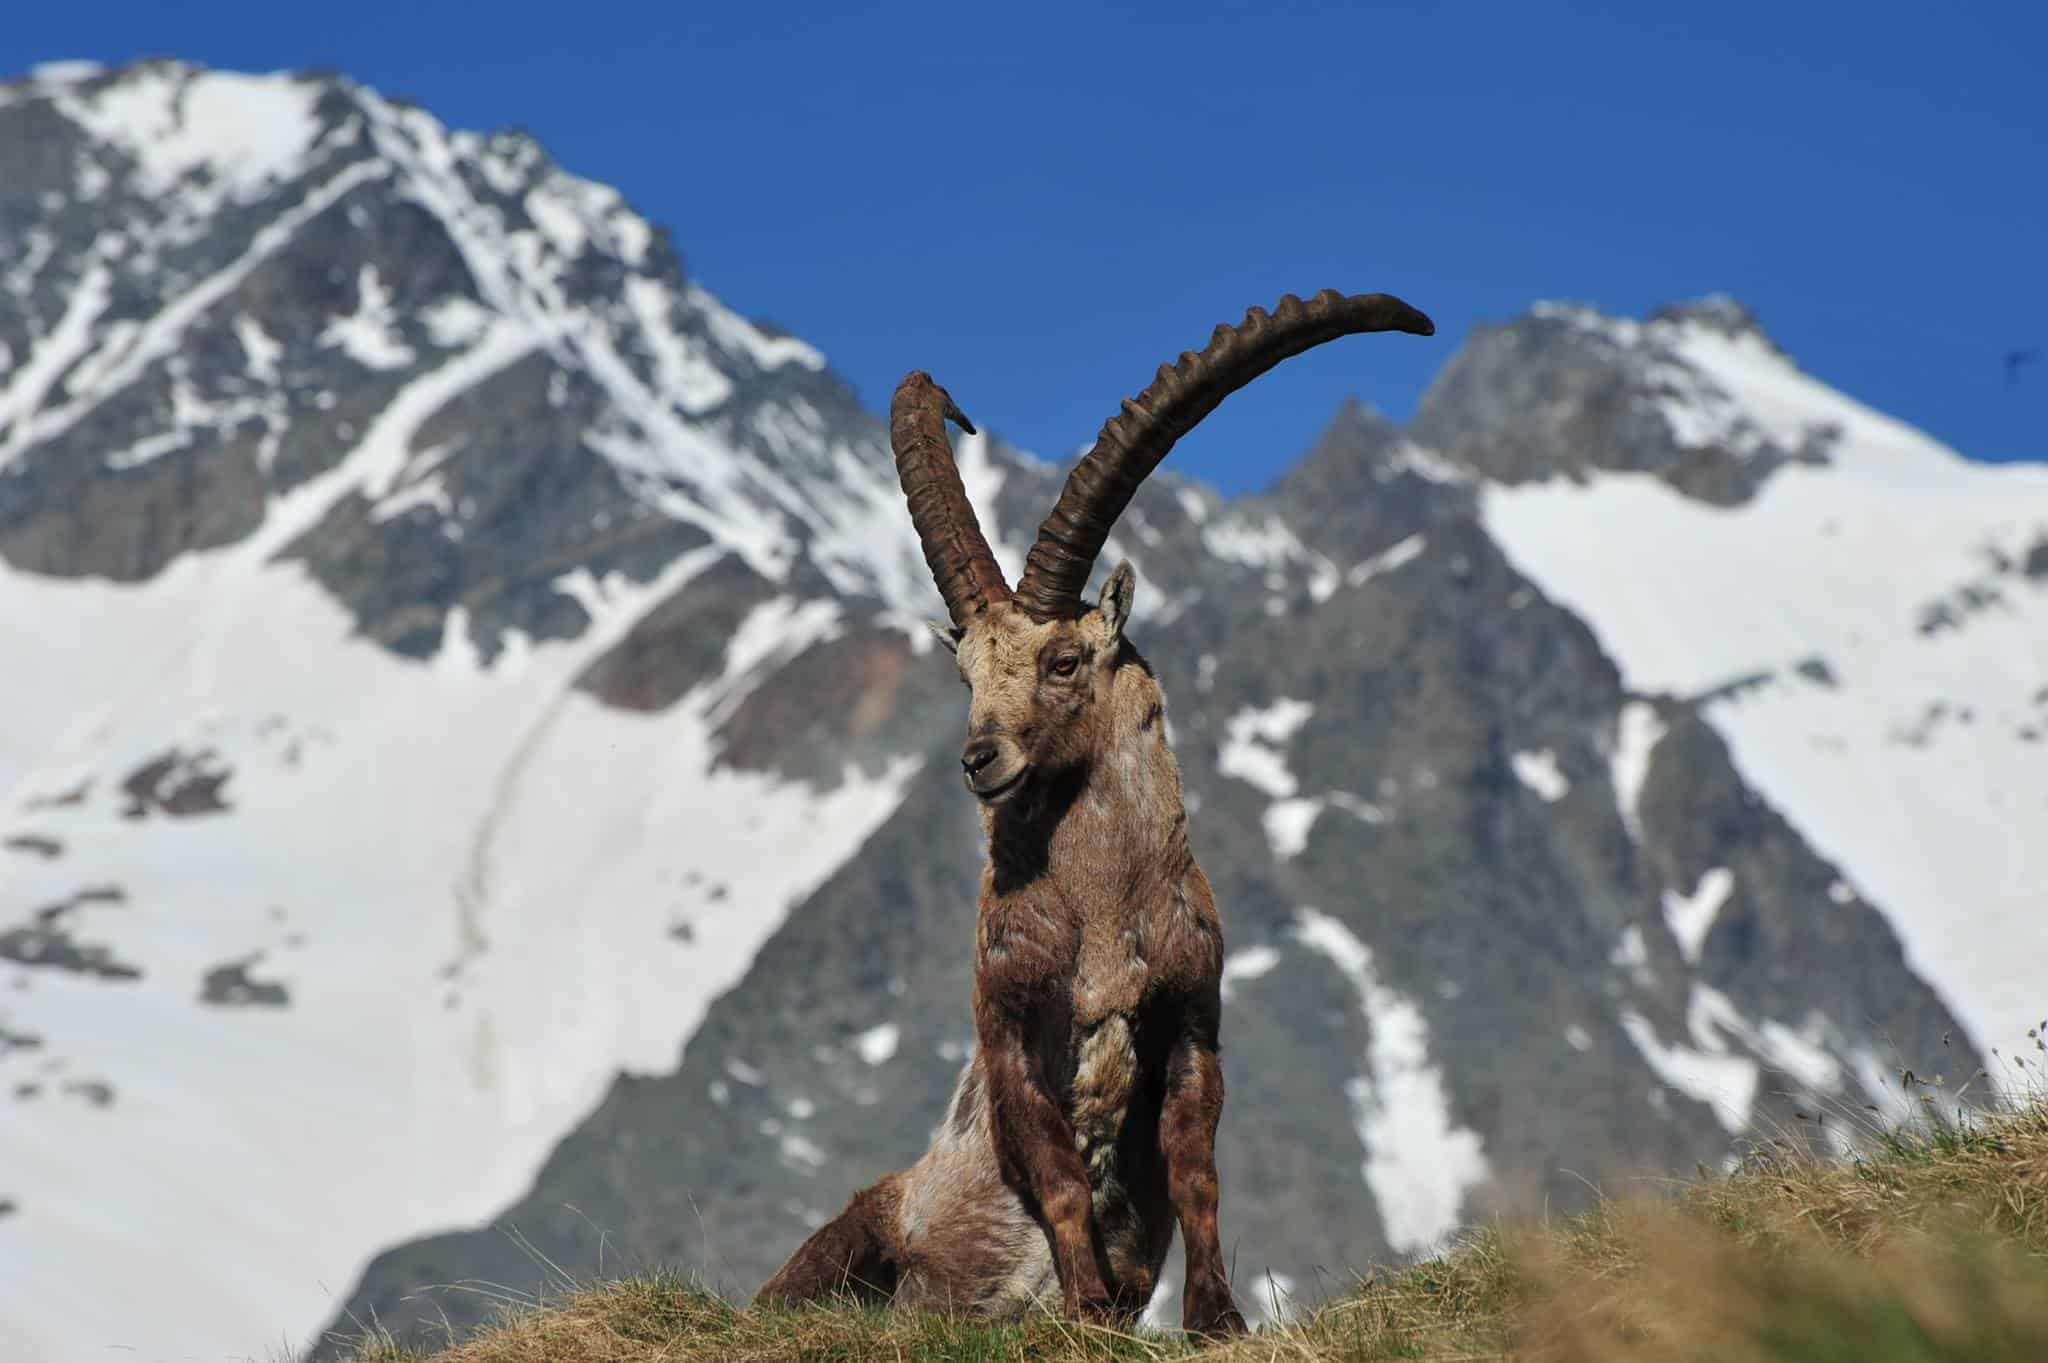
1386,561
1250,964
386,450
1273,1298
1711,1070
369,335
1801,1053
878,1043
1158,1312
557,221
455,321
682,370
260,350
243,133
1725,1082
1263,543
1632,953
983,479
1253,743
1253,751
1365,811
1287,824
801,1152
426,491
1789,407
1426,464
1691,917
772,633
1636,738
1419,1163
30,381
1538,771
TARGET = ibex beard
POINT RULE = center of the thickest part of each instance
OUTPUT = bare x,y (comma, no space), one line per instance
1083,1129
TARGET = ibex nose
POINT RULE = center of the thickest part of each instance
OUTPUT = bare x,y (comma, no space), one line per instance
978,753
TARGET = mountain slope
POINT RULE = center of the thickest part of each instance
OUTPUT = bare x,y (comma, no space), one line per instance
479,766
319,592
1497,927
1870,634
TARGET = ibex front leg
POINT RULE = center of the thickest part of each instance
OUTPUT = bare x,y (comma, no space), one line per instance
1035,1145
1187,1139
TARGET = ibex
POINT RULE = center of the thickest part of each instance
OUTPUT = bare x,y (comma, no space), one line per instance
1084,1126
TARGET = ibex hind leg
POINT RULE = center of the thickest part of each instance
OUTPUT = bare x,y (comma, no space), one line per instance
856,1255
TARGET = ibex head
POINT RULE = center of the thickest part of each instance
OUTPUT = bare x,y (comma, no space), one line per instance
1040,661
1038,688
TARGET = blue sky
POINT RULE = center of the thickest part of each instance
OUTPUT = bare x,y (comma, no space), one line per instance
1042,203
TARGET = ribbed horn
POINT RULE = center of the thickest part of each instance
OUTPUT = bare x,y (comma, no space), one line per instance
959,558
1132,443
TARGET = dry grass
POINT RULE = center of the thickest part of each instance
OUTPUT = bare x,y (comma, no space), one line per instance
1932,1246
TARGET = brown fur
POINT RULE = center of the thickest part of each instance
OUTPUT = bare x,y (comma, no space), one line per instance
1083,1129
857,1254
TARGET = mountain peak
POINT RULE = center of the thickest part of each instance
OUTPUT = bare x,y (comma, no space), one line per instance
1718,314
1721,311
1696,394
239,293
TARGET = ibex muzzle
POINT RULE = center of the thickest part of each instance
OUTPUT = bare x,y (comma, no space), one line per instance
994,767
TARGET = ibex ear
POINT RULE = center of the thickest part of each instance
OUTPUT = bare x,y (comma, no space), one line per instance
945,634
1116,598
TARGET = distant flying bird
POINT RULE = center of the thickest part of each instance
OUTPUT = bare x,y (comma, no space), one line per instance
2014,359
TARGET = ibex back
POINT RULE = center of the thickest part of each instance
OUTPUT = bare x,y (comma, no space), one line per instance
1084,1127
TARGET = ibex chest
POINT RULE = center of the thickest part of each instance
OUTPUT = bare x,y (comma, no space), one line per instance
1095,957
1110,973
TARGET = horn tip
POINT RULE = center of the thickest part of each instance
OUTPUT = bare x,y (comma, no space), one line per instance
1412,320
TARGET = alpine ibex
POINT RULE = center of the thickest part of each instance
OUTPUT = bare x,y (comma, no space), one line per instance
1084,1126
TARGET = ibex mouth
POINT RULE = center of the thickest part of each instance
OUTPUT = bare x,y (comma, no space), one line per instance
997,794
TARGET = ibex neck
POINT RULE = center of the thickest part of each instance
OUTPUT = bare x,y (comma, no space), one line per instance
1117,819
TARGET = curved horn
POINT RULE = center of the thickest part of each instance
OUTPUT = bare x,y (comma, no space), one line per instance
1132,443
954,550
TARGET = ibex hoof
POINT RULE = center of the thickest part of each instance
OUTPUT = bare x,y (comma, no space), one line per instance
1214,1323
1092,1307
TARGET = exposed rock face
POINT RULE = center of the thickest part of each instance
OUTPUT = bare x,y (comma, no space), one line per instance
545,635
1549,395
230,985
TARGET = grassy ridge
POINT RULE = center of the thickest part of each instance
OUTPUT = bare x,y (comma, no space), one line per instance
1931,1246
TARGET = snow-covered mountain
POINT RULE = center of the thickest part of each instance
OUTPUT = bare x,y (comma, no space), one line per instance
1867,628
465,755
302,952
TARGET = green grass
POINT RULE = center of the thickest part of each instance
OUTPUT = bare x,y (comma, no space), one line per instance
1930,1247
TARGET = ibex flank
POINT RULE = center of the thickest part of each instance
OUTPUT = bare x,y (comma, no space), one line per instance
1083,1129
